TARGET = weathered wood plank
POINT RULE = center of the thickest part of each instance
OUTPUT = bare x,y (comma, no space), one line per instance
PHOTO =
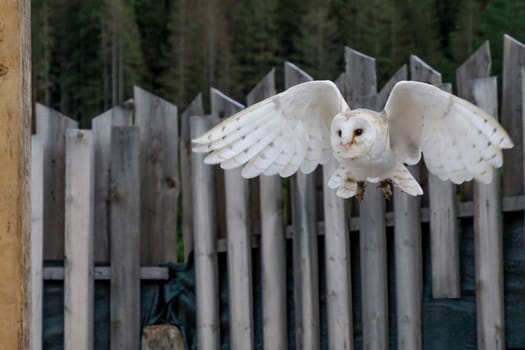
125,238
272,242
306,278
15,177
512,114
474,67
407,254
205,250
37,241
160,185
103,273
238,240
101,127
162,337
52,125
441,194
488,240
195,108
338,278
78,264
362,92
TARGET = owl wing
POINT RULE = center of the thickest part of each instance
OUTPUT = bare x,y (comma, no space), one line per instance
278,135
458,140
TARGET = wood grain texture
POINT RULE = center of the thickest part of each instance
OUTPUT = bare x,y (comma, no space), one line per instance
125,238
239,243
37,241
512,114
15,157
362,92
441,195
52,126
121,115
195,108
205,249
103,273
160,184
305,255
488,240
78,264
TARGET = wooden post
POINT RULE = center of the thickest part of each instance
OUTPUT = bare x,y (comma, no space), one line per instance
488,240
160,186
443,231
306,278
125,238
15,138
205,245
37,241
362,92
101,127
78,264
273,247
512,114
195,108
238,240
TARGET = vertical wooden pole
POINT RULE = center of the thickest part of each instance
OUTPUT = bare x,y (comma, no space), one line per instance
78,242
488,240
15,130
125,238
305,254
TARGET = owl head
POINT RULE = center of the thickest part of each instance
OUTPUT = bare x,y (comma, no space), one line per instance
352,134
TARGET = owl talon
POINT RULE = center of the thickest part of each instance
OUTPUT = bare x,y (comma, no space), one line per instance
361,186
386,187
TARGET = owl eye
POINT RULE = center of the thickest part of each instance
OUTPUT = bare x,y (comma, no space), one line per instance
358,132
339,133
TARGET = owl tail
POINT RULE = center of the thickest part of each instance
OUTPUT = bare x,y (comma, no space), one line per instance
402,178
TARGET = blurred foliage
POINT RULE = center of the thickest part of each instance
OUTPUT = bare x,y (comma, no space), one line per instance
87,54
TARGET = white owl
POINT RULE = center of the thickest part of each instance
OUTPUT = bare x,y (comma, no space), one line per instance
309,123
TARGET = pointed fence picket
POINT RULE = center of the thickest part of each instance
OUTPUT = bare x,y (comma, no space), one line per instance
114,193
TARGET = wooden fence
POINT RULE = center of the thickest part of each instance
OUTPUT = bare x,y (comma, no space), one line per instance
110,195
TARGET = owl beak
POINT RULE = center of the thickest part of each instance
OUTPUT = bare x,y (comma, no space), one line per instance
352,141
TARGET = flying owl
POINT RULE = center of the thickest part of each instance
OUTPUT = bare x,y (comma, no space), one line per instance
310,123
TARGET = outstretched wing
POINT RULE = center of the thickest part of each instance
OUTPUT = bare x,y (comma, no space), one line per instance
280,134
459,141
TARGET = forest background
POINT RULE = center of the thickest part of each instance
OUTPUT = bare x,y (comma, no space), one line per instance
88,54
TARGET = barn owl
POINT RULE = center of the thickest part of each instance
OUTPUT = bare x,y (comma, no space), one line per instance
310,123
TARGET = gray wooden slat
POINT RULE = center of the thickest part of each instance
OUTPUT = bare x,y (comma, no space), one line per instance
488,240
37,240
401,74
160,185
362,92
338,267
238,240
272,242
408,254
205,240
103,273
52,125
512,114
125,238
441,194
306,278
195,108
78,264
121,115
476,66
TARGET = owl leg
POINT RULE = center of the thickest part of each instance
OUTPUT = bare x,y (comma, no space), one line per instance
361,186
386,187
